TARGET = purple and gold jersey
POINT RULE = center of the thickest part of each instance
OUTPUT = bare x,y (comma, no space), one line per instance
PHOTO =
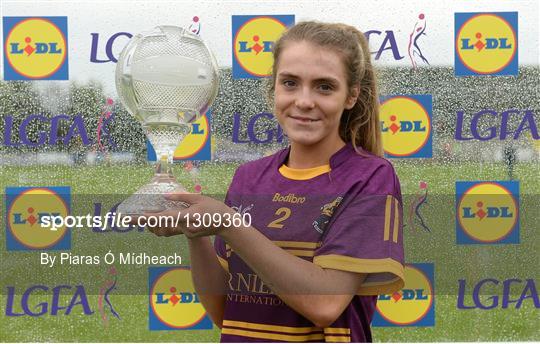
344,216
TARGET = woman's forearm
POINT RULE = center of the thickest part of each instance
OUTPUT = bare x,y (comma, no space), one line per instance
318,294
209,277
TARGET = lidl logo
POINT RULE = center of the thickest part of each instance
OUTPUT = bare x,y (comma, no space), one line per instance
406,126
414,305
35,48
253,41
487,212
195,146
486,43
174,305
26,206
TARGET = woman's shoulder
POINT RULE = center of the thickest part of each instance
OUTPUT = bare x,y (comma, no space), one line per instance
375,174
365,162
260,166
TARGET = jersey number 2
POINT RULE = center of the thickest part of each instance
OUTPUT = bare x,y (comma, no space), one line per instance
284,214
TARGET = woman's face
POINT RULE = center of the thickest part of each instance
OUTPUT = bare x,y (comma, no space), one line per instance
311,93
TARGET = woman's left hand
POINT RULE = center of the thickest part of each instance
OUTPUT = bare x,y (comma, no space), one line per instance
189,221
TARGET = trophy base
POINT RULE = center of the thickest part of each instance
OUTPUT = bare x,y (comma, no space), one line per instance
150,197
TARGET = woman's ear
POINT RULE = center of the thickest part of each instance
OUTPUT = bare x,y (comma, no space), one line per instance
353,97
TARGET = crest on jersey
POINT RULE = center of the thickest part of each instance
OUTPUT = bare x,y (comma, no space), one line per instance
324,217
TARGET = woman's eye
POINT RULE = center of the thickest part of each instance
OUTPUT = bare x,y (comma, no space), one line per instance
289,83
325,87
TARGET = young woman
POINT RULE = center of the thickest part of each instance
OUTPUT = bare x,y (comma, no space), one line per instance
326,232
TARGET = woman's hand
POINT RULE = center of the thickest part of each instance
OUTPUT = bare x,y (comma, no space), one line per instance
189,221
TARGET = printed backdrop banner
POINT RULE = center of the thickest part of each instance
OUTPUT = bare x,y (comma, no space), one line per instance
459,119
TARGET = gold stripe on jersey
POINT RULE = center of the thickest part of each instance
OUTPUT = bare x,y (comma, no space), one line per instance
297,244
360,265
223,263
388,288
396,221
337,330
274,328
337,339
376,288
304,173
296,248
301,253
366,266
387,217
273,336
377,283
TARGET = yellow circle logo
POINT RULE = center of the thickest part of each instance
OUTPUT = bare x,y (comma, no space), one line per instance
26,212
174,301
486,43
487,212
406,126
36,48
193,143
253,44
410,304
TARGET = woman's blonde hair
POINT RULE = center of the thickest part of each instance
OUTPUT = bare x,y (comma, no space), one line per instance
359,125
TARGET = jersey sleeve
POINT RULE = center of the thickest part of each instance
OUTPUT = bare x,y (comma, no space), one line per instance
366,235
223,251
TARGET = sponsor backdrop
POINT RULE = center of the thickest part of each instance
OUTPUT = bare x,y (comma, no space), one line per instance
459,118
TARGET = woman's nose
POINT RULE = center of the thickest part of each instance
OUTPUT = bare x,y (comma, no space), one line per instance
304,100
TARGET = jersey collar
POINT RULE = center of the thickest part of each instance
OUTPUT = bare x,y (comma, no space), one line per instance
336,159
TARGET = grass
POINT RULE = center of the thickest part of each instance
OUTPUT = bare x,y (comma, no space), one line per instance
107,184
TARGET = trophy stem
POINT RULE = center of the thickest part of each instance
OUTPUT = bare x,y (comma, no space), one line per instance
165,139
150,197
163,173
163,165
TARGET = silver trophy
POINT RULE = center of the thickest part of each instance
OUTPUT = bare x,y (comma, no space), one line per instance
166,78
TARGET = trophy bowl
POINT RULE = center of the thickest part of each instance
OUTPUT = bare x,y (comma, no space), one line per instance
166,78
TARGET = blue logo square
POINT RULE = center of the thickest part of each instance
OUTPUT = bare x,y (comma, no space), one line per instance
173,303
26,209
35,48
253,37
406,124
418,292
487,212
491,50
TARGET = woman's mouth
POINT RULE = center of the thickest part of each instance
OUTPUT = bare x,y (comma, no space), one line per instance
303,119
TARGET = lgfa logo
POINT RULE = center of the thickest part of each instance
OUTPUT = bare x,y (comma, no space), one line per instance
406,126
487,212
196,145
414,305
42,300
486,43
488,125
58,296
253,39
25,207
35,48
174,305
272,132
40,130
503,291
